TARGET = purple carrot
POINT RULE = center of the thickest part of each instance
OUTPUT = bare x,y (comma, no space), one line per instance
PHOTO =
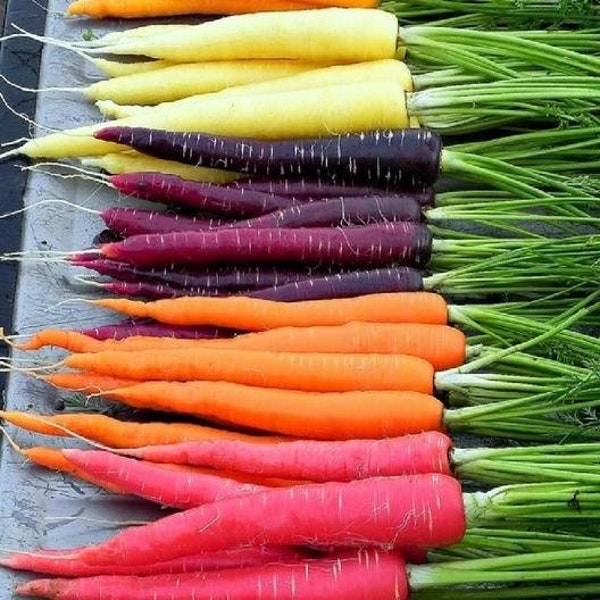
316,189
134,221
229,278
406,158
346,285
357,210
150,291
175,191
372,245
132,327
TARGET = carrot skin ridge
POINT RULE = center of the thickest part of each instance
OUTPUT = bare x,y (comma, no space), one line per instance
327,514
408,244
361,575
311,460
408,158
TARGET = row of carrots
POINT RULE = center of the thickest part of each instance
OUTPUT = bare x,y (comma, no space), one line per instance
326,463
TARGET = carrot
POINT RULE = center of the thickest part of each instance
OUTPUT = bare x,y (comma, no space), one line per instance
122,434
422,511
208,561
136,9
120,163
319,372
85,382
317,461
359,575
256,315
444,347
167,487
336,35
313,112
190,79
54,459
313,415
131,327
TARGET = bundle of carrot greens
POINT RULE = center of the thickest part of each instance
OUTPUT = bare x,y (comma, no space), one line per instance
310,388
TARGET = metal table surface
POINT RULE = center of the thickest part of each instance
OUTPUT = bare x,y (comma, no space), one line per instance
39,508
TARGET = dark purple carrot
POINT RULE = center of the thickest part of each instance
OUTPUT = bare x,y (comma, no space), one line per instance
407,244
357,210
314,189
150,291
406,158
175,191
134,327
134,221
230,278
346,285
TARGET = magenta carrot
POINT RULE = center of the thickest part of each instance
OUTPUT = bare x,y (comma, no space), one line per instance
362,575
422,511
307,459
42,562
223,279
134,327
135,221
371,245
405,158
175,191
168,487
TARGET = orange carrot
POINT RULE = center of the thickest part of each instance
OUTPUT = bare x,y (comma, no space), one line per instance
53,458
443,346
326,416
129,9
123,434
317,372
252,314
86,383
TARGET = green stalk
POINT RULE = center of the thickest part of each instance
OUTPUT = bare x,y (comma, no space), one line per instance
495,13
500,46
467,108
488,542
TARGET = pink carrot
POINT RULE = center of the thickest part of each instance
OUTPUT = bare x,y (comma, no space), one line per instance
421,511
45,562
356,575
169,487
309,460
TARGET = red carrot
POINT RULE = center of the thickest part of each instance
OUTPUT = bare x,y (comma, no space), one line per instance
362,575
42,562
419,511
153,482
307,459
